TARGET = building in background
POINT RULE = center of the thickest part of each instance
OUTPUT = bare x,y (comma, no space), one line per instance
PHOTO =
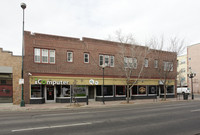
10,73
57,68
193,55
182,71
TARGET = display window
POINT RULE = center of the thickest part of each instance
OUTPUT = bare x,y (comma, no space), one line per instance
37,91
120,91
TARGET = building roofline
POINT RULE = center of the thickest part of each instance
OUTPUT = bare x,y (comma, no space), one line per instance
9,52
193,45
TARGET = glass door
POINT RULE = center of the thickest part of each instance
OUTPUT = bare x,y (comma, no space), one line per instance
50,93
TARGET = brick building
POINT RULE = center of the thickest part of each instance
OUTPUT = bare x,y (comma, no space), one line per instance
58,68
10,73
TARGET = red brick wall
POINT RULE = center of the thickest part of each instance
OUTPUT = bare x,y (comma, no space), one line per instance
78,47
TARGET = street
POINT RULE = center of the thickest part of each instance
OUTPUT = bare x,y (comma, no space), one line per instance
167,118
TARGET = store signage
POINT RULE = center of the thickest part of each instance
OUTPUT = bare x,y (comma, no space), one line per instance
40,81
91,81
21,81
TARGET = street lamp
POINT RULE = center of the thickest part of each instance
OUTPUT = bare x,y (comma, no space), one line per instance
192,75
103,66
22,104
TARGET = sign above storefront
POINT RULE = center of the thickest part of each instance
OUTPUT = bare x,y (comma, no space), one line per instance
40,81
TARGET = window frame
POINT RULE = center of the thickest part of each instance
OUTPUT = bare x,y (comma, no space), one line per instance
146,62
45,55
71,57
52,57
155,63
38,49
88,57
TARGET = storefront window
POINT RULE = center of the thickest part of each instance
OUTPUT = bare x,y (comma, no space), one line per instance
98,90
152,89
134,90
120,90
63,91
79,91
170,89
108,90
142,90
37,91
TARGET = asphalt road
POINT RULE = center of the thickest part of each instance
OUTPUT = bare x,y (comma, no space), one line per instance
173,118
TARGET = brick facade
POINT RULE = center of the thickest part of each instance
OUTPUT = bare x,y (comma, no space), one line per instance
78,68
9,60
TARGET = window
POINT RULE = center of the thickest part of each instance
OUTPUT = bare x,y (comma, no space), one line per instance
134,63
63,91
129,62
146,62
100,60
79,91
152,89
37,91
107,60
108,90
120,90
168,66
52,56
86,57
134,90
69,56
155,63
142,90
36,54
44,56
112,61
48,56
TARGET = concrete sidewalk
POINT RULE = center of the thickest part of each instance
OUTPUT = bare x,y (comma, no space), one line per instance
92,104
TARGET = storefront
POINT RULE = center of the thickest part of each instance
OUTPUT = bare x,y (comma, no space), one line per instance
48,89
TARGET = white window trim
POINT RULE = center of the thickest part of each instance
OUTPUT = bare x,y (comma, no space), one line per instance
88,57
52,57
37,55
146,62
71,59
112,58
45,56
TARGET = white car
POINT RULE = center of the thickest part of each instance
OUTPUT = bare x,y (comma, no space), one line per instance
183,90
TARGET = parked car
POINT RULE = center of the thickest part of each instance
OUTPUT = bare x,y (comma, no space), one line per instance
183,90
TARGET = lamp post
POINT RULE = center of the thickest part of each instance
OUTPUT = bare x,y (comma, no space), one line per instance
22,104
192,75
103,66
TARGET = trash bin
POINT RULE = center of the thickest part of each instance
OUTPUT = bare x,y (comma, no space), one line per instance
185,96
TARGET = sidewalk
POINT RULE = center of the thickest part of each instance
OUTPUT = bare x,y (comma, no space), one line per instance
92,104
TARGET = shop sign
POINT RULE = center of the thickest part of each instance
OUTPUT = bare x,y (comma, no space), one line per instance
21,81
142,89
91,81
40,81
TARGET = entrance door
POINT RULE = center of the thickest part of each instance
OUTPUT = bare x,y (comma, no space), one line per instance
91,92
49,93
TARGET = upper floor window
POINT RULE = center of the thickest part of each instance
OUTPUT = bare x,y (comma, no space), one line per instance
168,66
107,60
155,63
112,61
69,56
135,63
86,57
146,62
52,56
130,62
36,54
44,56
47,56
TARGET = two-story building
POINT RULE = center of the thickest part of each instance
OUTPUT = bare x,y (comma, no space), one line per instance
57,68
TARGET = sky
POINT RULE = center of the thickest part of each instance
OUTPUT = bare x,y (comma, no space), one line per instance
99,18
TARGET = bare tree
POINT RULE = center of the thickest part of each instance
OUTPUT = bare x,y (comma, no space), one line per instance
167,69
130,59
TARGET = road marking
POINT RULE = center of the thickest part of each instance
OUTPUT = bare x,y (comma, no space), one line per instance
197,110
48,127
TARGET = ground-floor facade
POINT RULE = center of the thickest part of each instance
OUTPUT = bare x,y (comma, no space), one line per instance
64,89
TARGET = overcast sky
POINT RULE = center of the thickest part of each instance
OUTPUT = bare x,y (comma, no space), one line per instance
99,18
